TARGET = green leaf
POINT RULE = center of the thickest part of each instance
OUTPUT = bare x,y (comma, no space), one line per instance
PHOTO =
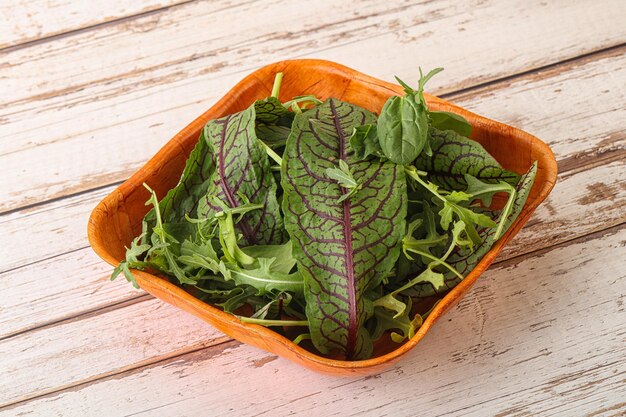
485,193
450,205
242,176
403,325
273,122
343,248
342,175
237,299
454,156
164,240
364,142
444,120
403,123
273,308
263,279
402,128
463,259
390,302
283,262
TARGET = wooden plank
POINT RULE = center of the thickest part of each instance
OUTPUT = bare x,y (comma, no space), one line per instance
133,99
103,343
580,204
47,231
57,289
32,20
539,334
58,228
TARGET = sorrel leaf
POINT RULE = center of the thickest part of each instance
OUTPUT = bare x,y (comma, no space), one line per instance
273,122
343,249
241,176
454,156
444,120
183,199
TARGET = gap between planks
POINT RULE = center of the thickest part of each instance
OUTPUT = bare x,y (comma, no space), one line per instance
539,72
127,301
82,29
218,345
73,180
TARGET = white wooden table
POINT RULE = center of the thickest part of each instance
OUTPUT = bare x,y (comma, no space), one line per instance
89,90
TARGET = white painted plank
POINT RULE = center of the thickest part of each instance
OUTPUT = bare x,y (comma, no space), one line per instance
57,289
132,91
29,20
105,343
580,204
59,227
543,336
46,231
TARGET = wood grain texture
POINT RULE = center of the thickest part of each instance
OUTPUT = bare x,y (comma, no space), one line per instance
139,96
48,18
59,226
117,219
126,336
72,95
579,198
513,335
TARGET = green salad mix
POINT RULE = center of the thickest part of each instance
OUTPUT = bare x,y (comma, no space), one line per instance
328,222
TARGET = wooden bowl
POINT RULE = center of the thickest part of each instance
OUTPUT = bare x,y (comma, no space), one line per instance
117,219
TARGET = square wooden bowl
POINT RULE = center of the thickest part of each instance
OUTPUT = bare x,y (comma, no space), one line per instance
117,219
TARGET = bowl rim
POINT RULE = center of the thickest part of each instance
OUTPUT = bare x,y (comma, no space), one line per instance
209,313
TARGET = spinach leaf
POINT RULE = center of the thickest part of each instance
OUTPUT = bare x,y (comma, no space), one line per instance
242,175
454,156
403,123
343,248
444,120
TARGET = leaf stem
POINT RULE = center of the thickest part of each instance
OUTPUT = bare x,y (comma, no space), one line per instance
278,79
270,323
436,260
301,337
506,211
270,152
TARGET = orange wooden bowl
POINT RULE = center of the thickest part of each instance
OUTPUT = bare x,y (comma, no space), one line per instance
117,219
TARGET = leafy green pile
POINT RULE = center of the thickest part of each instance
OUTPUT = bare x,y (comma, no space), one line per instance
329,223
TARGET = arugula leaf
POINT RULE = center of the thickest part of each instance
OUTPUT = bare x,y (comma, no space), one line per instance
485,192
263,278
344,178
342,248
463,259
454,156
284,261
450,205
385,320
242,175
273,308
132,261
444,120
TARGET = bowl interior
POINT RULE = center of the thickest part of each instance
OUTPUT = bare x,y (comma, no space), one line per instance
117,219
